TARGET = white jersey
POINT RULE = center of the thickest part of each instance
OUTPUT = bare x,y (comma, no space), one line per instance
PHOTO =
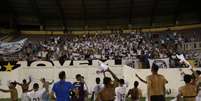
198,97
36,96
120,93
97,89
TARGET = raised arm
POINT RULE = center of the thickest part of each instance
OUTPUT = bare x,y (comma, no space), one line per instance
30,90
194,73
113,75
29,81
5,91
18,83
104,74
128,94
51,82
52,95
144,81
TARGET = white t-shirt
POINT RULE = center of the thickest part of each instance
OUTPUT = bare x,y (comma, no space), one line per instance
96,90
120,93
36,96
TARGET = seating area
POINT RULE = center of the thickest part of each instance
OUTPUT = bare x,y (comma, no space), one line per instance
133,45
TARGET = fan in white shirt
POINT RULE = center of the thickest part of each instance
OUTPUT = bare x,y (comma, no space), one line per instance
96,89
120,91
36,94
198,97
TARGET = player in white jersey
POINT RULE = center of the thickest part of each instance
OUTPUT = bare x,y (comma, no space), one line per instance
120,91
198,83
36,94
46,84
96,89
198,97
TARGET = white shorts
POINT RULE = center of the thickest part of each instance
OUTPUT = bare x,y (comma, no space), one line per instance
198,98
24,97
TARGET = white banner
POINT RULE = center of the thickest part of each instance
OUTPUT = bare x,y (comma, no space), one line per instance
162,63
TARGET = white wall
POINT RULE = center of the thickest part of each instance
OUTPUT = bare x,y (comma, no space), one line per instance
89,72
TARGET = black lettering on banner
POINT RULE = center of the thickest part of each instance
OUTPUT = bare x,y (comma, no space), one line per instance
15,64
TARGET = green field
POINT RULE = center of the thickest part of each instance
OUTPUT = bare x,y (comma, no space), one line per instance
167,99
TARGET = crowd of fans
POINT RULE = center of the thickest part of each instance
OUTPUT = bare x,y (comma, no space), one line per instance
106,46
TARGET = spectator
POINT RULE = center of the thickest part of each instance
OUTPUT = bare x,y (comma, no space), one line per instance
108,91
135,92
188,91
156,85
96,89
13,91
120,91
61,89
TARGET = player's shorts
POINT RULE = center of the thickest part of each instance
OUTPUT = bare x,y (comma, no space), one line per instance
157,98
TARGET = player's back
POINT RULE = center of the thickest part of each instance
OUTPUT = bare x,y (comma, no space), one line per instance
156,84
107,94
62,90
188,92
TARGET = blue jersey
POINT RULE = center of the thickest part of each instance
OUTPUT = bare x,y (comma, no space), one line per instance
62,90
79,87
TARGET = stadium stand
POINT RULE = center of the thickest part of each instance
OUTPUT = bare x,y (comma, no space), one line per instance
133,45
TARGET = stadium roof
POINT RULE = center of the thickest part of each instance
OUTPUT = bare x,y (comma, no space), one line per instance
82,14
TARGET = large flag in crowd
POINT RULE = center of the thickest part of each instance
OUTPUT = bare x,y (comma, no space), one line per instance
11,47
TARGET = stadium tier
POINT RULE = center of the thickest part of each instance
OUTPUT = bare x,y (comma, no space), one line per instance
112,46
